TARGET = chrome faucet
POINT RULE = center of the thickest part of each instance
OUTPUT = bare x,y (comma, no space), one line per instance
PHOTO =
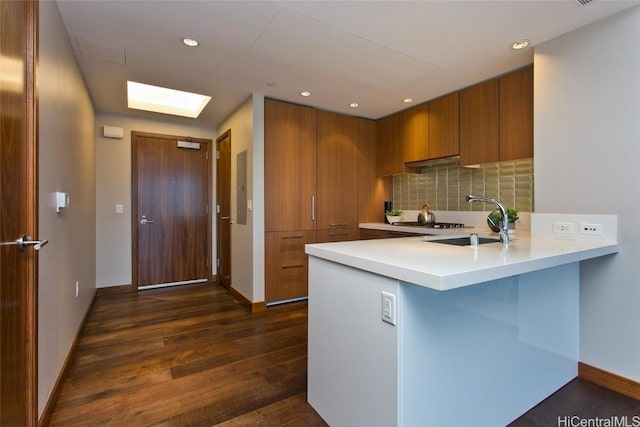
504,231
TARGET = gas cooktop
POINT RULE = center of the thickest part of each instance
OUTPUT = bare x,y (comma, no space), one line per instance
432,225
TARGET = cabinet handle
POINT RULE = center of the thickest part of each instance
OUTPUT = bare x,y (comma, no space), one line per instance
332,234
339,224
291,237
313,208
284,267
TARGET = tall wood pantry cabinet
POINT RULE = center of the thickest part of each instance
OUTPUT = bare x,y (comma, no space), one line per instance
311,189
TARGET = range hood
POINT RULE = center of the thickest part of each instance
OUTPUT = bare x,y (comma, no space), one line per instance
434,162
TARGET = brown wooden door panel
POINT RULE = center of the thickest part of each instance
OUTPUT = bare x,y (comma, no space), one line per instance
18,213
171,194
286,268
223,217
337,171
290,166
516,114
444,127
389,144
479,123
415,136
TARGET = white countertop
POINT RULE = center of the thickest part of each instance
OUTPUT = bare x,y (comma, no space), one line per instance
442,267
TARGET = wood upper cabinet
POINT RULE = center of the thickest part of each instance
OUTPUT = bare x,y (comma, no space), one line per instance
479,124
337,171
290,166
444,126
516,114
415,123
390,150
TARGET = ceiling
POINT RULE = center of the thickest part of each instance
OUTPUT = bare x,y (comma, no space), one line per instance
375,53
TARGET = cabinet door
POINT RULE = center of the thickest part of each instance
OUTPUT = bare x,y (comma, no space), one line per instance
337,171
415,135
286,264
337,235
516,114
389,156
289,166
372,190
444,126
479,124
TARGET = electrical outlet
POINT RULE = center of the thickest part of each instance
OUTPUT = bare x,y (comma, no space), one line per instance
593,229
389,308
563,227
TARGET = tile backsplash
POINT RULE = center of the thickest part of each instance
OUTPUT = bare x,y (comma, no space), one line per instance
445,187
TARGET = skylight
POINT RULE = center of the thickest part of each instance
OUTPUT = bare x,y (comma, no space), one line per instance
163,100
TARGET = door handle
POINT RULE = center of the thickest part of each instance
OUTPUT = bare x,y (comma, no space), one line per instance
23,241
144,220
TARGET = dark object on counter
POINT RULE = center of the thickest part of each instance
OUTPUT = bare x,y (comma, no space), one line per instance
388,206
426,216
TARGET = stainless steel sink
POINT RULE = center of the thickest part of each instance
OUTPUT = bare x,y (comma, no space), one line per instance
465,241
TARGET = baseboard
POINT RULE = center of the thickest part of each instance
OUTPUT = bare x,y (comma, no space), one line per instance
49,407
111,290
253,307
609,380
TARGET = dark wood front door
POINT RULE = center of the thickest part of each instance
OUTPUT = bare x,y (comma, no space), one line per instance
170,216
223,209
18,213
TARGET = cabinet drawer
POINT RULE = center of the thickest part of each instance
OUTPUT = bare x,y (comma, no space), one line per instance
286,266
368,234
337,235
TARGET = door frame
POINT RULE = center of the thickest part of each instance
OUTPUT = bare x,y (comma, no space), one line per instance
21,319
226,134
134,198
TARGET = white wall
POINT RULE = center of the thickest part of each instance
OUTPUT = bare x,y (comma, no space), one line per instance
67,163
247,241
587,149
113,186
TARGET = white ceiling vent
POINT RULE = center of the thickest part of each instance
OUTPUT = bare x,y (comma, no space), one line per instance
583,2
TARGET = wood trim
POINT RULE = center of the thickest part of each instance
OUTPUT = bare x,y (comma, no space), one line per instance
253,307
609,380
50,406
111,290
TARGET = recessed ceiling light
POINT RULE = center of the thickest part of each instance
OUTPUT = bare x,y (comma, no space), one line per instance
305,93
354,105
190,42
407,100
520,44
163,100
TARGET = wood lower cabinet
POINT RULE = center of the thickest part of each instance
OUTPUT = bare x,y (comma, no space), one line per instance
286,264
337,235
479,124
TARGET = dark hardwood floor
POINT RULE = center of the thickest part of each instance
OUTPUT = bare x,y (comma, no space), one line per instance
192,356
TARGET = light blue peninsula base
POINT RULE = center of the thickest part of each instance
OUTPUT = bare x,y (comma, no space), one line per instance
478,355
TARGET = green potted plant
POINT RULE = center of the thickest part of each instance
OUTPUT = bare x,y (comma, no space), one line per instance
393,215
495,219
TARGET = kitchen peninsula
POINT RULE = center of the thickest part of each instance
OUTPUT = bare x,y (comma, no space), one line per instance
471,335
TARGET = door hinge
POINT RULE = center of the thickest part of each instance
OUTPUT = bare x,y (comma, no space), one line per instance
218,262
218,209
207,155
218,155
